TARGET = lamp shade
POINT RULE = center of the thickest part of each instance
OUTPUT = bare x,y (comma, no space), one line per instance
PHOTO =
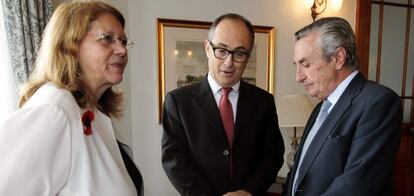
336,5
308,3
293,110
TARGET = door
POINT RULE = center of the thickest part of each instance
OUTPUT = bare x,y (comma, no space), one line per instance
385,36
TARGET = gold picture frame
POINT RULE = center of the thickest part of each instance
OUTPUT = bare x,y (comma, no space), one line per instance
181,50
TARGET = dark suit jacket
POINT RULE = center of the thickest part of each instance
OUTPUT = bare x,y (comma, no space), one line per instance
133,171
354,149
195,152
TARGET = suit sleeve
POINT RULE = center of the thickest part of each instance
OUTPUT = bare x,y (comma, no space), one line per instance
35,151
273,151
175,161
372,153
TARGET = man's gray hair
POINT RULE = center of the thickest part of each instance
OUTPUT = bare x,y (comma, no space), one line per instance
334,32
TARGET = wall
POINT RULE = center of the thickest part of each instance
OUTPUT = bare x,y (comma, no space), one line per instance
140,123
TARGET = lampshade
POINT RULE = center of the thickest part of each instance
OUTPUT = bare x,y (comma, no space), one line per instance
293,110
336,5
308,3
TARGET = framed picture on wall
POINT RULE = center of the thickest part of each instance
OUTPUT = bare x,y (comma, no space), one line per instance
182,59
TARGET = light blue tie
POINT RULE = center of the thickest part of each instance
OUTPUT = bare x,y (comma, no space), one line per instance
319,120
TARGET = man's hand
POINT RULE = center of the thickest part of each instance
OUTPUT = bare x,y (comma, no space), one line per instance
238,193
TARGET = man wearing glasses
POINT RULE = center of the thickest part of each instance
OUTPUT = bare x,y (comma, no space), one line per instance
221,135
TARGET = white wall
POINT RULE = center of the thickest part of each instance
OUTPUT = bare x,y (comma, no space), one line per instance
141,118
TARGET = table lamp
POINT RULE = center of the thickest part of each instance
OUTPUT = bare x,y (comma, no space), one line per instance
293,111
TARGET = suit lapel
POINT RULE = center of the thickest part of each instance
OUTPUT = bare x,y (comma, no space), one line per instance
204,99
326,128
244,109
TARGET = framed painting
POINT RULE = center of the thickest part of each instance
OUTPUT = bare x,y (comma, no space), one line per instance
182,59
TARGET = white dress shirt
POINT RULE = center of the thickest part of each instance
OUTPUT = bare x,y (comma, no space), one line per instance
44,151
233,95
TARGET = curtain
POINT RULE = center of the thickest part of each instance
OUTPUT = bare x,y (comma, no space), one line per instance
24,23
8,99
21,26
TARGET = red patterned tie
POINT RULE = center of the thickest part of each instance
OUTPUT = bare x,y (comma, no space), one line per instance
226,113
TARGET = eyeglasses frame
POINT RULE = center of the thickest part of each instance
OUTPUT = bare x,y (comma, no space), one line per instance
112,39
228,53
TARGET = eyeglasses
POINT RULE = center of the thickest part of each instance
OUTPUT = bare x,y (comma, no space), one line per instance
236,55
108,39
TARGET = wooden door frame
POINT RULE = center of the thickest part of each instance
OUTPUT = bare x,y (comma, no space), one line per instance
362,33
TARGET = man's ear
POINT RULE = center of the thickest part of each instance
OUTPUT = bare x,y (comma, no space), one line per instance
206,46
339,58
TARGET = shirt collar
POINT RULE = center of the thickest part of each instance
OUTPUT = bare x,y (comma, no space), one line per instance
215,88
336,94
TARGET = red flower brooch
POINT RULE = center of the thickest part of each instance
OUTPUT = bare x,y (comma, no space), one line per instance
87,118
